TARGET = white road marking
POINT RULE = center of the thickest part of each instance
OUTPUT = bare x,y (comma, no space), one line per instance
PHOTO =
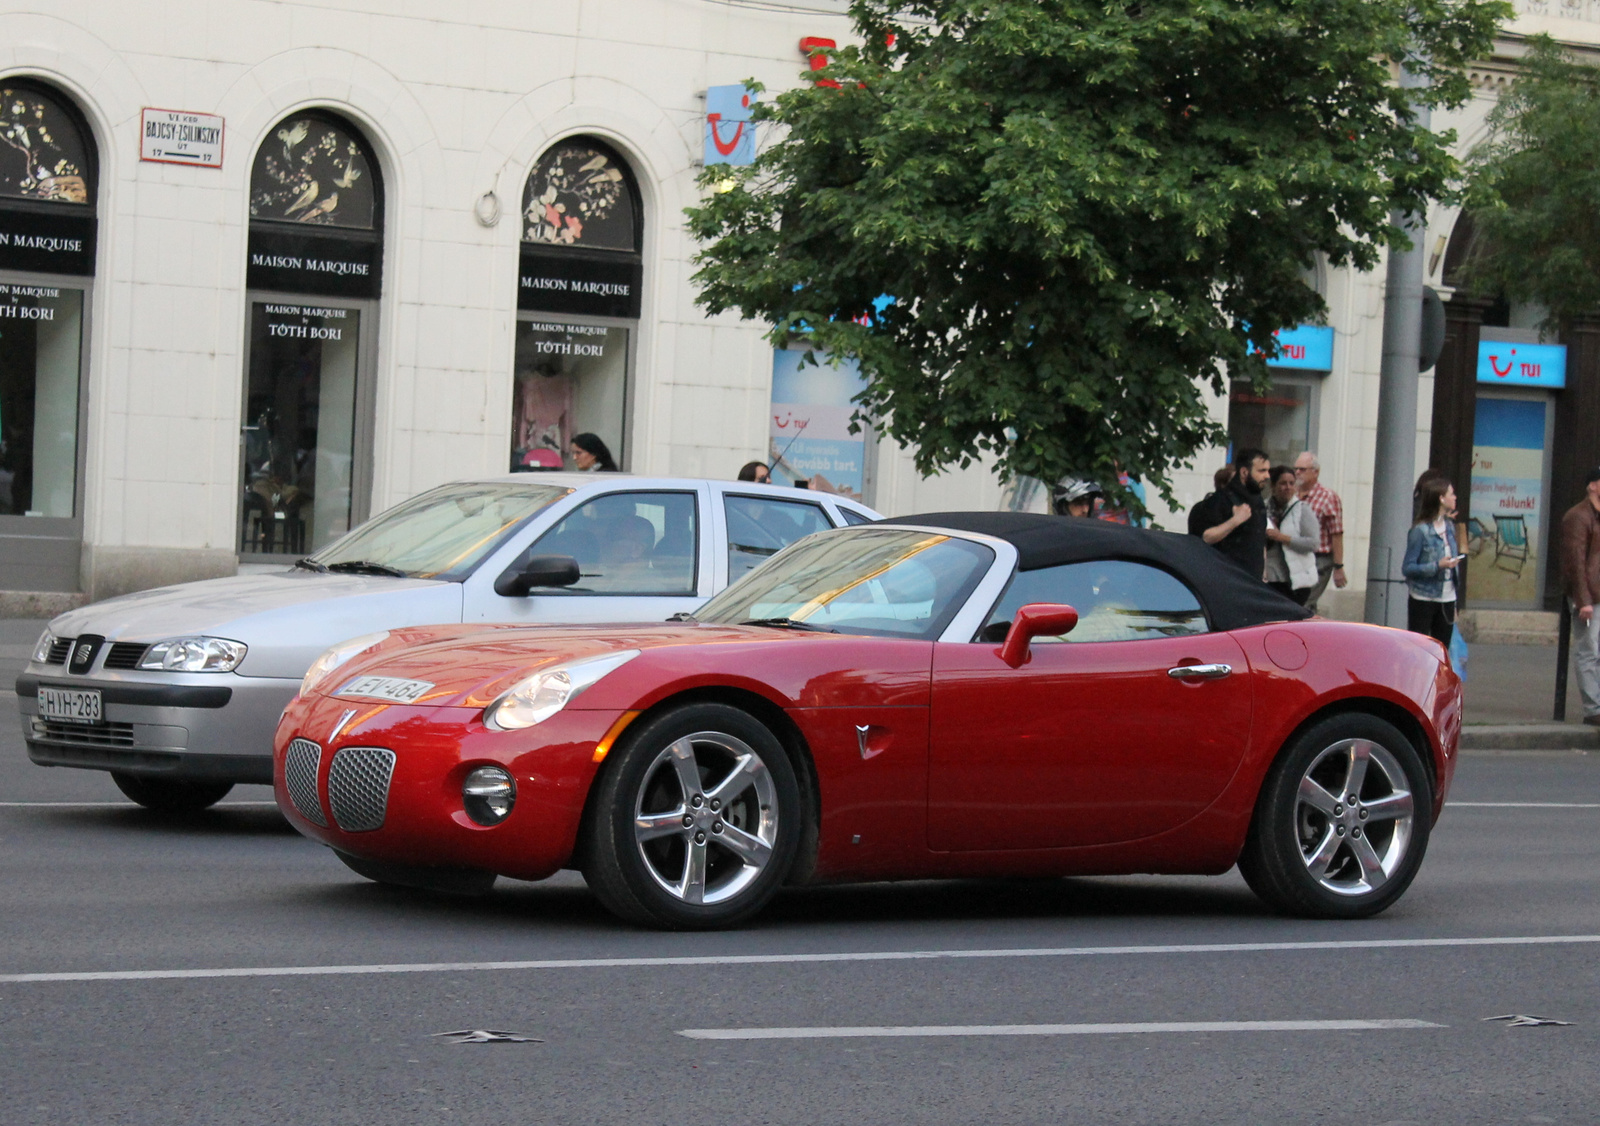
798,959
118,804
1051,1029
1522,805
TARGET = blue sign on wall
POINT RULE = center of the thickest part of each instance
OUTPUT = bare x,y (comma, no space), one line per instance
1307,347
730,134
1522,365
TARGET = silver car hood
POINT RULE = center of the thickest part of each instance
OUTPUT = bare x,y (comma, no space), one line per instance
285,618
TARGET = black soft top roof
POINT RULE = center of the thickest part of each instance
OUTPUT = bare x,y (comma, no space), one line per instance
1232,599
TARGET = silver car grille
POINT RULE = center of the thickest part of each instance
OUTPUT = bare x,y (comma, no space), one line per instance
300,767
358,787
98,734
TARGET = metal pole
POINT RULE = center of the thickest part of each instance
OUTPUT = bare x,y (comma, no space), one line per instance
1395,466
1563,646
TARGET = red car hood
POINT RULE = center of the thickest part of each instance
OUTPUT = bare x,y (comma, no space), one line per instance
471,666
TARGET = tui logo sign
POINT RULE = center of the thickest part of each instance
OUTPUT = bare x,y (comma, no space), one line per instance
1512,364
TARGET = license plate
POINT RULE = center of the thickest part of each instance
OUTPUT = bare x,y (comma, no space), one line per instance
392,688
75,705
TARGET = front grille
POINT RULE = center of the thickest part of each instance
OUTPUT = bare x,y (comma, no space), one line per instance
125,655
59,648
358,787
102,734
300,767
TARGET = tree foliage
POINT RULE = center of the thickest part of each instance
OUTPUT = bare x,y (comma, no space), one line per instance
1535,188
1087,211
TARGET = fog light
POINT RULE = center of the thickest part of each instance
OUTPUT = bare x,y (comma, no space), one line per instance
488,795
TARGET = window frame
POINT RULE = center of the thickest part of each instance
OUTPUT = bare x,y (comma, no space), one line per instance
694,561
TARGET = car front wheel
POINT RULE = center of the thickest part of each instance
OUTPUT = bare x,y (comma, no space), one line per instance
170,795
1342,821
696,823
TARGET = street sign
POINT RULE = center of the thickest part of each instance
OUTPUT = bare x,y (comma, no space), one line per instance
175,136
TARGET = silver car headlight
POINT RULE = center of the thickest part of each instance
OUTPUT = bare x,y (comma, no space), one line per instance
546,692
337,656
41,651
194,654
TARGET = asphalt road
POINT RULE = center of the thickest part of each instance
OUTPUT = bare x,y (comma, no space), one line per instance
1206,1019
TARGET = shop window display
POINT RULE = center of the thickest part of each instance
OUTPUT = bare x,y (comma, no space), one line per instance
41,334
569,379
1279,421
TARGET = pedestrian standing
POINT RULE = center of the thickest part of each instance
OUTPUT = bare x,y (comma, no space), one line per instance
1580,570
755,471
590,454
1234,519
1292,530
1330,515
1431,562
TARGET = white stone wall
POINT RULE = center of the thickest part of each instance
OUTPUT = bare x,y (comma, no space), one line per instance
458,101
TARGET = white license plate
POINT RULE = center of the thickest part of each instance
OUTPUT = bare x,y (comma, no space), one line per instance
392,688
75,705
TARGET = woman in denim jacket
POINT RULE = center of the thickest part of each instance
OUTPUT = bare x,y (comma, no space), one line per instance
1430,563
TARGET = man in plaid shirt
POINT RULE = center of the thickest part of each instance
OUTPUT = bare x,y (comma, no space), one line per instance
1330,516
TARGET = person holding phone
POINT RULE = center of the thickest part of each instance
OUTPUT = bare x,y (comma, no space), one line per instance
1431,562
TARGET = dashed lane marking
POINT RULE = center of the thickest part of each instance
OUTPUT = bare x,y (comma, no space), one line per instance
872,1031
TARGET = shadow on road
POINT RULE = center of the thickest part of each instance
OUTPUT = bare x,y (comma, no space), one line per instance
252,821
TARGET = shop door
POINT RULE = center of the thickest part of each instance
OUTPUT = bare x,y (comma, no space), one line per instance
1510,500
42,325
305,439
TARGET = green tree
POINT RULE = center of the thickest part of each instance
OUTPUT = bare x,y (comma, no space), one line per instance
1535,188
1087,210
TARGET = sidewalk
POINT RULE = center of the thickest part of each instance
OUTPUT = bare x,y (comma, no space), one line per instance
1509,697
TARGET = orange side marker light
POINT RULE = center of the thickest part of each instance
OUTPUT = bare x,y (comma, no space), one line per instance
603,747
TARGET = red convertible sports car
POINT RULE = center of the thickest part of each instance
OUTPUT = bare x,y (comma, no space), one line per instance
968,694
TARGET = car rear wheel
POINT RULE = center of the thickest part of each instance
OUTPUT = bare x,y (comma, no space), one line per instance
1342,821
170,795
695,823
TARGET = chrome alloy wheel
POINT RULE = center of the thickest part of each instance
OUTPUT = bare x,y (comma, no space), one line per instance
1353,817
706,817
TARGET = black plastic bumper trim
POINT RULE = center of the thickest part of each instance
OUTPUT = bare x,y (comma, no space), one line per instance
255,769
143,695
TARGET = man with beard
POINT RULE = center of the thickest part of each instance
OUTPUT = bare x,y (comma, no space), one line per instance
1234,519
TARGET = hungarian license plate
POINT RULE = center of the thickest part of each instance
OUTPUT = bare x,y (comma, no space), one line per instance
75,705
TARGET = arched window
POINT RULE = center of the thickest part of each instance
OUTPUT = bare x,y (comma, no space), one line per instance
47,249
315,271
578,303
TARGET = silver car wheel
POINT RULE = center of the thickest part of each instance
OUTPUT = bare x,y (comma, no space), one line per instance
1353,817
706,817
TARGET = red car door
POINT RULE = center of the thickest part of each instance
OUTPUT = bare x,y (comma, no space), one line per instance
1091,741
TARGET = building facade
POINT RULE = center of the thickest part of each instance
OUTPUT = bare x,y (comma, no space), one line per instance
266,269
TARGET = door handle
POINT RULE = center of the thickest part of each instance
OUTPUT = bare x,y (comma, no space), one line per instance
1200,672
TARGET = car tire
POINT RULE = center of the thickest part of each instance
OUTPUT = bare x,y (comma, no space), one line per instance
170,795
1313,852
451,881
695,822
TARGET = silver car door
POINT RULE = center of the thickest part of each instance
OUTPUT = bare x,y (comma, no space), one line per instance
640,551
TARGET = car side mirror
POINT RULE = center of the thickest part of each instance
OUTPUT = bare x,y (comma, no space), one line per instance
1036,619
531,571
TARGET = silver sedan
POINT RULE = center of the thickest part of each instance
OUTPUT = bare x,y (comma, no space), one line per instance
176,691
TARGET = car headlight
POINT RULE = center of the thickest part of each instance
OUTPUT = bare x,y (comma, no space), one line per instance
488,795
337,656
41,651
194,654
545,693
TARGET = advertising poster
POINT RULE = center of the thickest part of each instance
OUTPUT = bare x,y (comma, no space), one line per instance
1504,533
810,435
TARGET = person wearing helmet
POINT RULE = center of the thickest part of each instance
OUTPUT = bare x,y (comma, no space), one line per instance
1075,498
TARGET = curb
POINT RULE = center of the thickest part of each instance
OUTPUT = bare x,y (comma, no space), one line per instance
1530,737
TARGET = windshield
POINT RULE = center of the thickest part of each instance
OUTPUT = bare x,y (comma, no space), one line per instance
441,534
878,581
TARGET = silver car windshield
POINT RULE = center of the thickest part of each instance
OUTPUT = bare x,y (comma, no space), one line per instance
883,582
441,534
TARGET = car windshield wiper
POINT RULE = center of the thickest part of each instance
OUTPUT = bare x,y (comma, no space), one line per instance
787,623
366,567
311,565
